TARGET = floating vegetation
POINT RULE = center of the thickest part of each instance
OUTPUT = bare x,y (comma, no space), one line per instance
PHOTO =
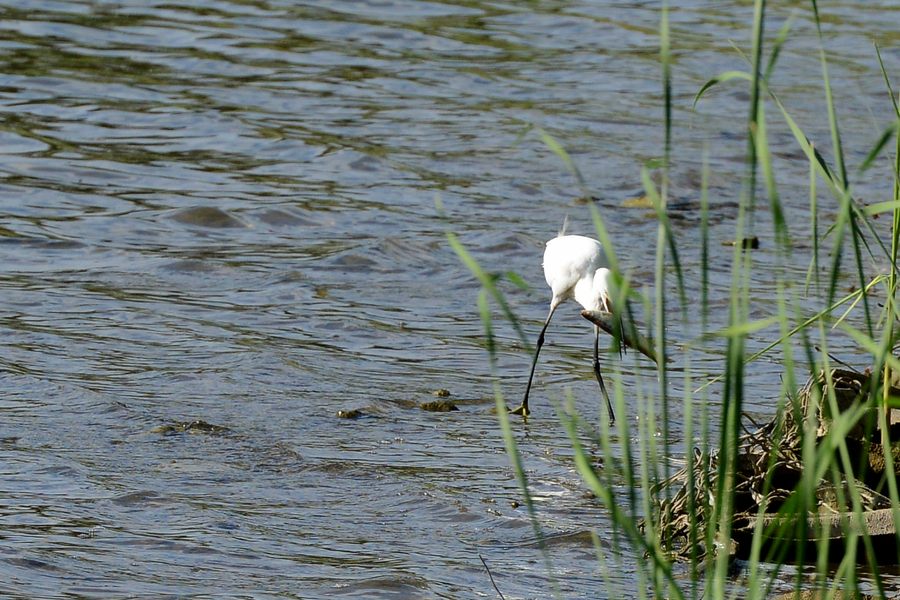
439,406
190,427
638,202
354,413
747,243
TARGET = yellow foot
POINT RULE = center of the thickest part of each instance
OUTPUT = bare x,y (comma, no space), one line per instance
522,410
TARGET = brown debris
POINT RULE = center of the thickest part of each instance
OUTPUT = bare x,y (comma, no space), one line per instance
439,406
770,471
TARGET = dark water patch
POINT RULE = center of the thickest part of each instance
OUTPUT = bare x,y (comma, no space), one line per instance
385,587
34,565
284,218
145,498
190,266
354,262
207,216
46,244
278,458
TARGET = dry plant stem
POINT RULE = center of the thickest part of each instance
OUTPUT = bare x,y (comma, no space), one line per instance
499,593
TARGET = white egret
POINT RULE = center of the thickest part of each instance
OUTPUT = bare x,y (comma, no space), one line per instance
575,267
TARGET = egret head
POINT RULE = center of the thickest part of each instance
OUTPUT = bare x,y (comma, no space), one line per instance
593,293
602,289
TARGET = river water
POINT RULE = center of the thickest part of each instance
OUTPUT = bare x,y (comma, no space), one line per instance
227,212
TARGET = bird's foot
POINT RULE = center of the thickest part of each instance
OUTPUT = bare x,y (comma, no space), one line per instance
522,410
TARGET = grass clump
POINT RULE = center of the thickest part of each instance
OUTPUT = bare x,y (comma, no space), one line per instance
817,450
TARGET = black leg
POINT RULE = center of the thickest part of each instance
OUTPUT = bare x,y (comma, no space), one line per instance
596,365
523,410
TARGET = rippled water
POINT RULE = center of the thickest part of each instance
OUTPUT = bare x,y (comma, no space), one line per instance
227,212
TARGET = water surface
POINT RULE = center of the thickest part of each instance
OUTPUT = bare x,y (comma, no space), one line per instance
227,212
